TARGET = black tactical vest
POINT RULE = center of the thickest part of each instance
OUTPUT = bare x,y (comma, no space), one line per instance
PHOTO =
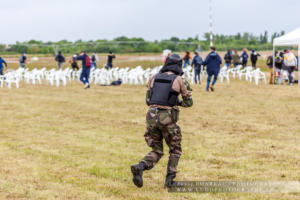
162,92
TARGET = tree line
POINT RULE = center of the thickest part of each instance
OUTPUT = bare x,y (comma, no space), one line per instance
136,45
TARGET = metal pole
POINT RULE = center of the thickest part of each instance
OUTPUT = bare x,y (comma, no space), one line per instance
199,47
210,23
274,75
55,49
298,65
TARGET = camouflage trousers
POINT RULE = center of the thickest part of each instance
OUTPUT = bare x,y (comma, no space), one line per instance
161,125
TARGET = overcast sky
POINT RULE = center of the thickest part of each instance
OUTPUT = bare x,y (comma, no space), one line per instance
53,20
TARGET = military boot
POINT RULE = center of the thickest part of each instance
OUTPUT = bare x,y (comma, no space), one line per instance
171,172
170,180
137,172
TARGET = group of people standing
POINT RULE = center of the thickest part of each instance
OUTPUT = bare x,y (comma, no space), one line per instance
283,61
233,58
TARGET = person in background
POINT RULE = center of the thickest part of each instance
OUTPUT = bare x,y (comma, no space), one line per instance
270,62
213,62
244,57
197,63
1,65
228,58
110,58
284,68
279,60
165,59
290,61
23,60
254,58
278,67
73,62
236,59
186,59
85,74
94,60
60,59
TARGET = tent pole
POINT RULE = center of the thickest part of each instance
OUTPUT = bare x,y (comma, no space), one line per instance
273,81
298,65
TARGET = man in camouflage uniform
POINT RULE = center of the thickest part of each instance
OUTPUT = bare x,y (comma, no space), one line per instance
163,91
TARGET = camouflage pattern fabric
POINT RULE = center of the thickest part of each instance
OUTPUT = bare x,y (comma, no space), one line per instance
187,100
160,125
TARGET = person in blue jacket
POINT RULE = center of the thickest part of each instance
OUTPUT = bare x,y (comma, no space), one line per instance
212,62
245,57
1,65
197,63
85,74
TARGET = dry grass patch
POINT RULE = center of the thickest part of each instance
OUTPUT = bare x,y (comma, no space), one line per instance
69,143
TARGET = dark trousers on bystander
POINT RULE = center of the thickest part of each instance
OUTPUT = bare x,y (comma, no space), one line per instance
85,74
197,73
290,71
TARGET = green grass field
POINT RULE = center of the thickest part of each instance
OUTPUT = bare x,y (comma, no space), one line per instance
71,143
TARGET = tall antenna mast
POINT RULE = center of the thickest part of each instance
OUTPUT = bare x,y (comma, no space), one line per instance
210,23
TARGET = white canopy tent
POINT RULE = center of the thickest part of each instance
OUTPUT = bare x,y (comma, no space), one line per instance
289,39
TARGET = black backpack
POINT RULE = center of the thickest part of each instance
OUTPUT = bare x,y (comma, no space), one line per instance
227,57
93,58
198,60
60,58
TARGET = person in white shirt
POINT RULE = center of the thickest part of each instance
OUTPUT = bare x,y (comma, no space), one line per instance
290,61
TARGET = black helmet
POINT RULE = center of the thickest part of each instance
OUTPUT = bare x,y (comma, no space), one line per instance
174,59
173,64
